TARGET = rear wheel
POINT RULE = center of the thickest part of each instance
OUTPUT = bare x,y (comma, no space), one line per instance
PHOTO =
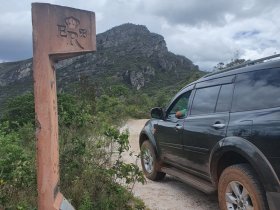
149,162
240,189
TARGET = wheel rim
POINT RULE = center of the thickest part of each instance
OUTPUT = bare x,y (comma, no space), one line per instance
238,197
148,161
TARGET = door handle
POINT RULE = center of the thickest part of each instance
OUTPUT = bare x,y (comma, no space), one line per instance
218,125
178,127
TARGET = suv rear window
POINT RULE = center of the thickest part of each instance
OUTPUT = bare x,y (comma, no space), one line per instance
257,90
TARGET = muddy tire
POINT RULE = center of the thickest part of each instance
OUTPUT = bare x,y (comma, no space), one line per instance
149,162
239,188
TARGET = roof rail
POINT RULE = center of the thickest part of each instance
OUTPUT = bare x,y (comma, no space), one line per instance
247,63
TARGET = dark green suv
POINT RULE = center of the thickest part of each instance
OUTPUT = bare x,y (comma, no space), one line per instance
221,132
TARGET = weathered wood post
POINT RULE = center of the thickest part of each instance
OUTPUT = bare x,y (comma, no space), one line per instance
58,33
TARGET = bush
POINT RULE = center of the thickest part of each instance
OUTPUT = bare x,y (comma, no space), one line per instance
17,175
19,111
91,164
101,169
73,112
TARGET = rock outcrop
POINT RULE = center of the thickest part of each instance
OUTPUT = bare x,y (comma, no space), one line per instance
128,54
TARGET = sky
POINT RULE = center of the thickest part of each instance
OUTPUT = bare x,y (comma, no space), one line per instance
205,31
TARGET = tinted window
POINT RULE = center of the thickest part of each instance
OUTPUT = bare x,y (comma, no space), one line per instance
257,90
205,100
224,100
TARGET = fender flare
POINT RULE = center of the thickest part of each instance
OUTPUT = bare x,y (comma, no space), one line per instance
147,132
249,152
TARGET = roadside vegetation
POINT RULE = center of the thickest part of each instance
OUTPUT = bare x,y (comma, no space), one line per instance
91,146
91,149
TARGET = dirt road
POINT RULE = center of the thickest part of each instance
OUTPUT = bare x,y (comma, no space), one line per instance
168,194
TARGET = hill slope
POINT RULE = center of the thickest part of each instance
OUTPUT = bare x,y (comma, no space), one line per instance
128,54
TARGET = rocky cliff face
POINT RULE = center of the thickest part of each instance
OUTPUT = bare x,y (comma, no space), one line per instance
15,71
128,54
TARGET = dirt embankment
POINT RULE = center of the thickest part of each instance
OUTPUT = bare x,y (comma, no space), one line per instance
168,194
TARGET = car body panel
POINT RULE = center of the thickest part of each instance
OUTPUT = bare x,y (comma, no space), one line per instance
169,139
251,135
252,154
199,138
261,128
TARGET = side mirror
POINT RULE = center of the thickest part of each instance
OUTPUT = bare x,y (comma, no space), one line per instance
157,113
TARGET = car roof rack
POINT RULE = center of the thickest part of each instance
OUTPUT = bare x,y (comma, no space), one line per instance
247,63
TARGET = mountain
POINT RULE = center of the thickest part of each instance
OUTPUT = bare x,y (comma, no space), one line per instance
128,54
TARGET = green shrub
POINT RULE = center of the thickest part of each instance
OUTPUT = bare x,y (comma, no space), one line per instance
96,183
91,152
17,170
72,112
19,111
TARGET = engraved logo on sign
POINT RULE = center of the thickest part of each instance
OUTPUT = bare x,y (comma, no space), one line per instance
72,31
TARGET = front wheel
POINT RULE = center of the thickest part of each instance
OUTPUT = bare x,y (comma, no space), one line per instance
149,162
240,189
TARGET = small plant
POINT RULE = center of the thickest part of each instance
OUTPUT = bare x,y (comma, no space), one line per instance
129,172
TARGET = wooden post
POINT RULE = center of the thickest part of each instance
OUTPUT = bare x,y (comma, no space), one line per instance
58,33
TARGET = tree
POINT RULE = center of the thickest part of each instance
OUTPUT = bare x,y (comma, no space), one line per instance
221,66
235,62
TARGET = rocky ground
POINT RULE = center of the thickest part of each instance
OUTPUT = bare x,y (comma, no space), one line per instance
170,193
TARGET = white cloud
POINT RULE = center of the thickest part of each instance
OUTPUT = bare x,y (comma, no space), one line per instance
207,32
207,44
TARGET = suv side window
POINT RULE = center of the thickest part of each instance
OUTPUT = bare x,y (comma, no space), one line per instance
257,90
205,100
225,97
180,104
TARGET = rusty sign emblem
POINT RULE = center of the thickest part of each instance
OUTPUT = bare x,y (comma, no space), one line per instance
72,31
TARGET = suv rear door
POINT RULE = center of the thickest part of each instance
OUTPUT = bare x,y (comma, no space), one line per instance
255,114
207,122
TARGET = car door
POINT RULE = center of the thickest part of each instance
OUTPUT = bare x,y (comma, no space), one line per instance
168,132
255,113
206,123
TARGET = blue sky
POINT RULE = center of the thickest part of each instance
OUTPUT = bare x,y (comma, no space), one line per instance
207,32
